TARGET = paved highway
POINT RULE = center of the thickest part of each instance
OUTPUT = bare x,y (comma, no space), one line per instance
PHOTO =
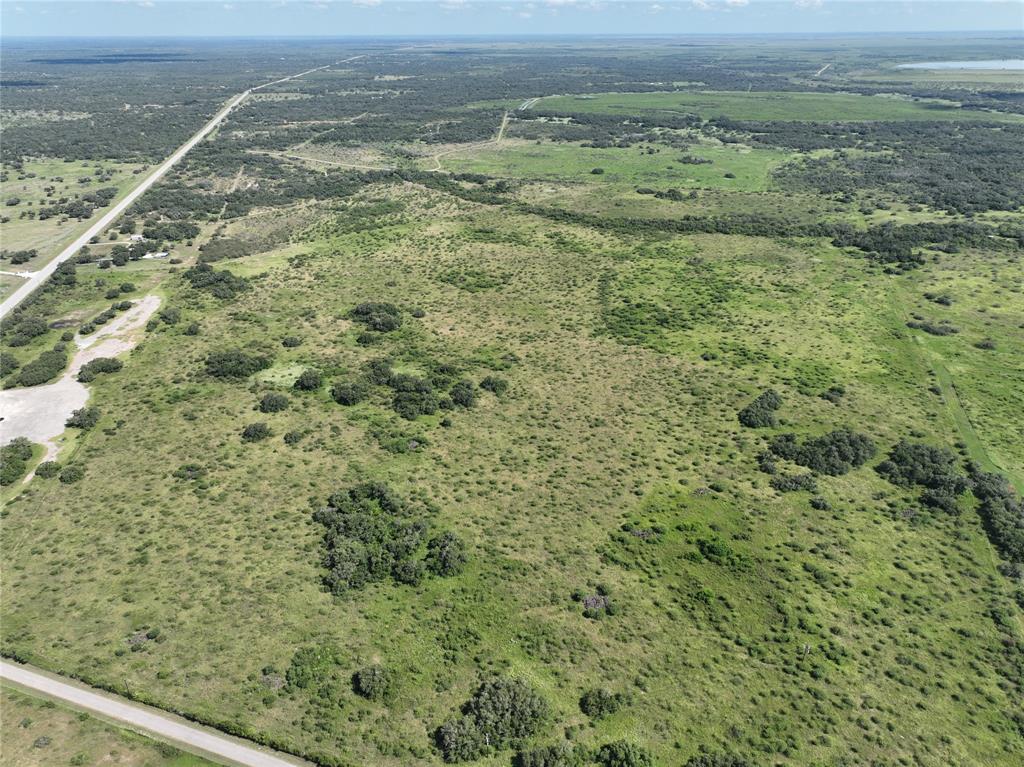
39,277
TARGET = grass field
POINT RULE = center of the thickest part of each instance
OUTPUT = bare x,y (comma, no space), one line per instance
768,106
39,733
659,169
617,413
66,180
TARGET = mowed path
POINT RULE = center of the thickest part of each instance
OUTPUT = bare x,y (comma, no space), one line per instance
146,720
39,277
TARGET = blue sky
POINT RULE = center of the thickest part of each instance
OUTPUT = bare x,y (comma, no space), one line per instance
499,17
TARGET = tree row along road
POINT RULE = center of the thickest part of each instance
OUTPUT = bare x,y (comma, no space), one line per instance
41,276
146,720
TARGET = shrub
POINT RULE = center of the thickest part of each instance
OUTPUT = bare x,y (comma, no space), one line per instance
235,363
47,366
378,372
273,402
374,682
311,665
494,385
309,380
506,709
622,753
291,342
14,458
71,474
94,367
382,317
761,412
293,437
446,554
835,453
910,464
559,755
48,469
717,760
463,394
1002,513
598,702
220,284
8,363
24,330
410,404
346,393
787,483
189,471
171,315
255,432
83,418
460,740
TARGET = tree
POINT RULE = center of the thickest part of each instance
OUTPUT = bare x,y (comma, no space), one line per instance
273,402
374,682
761,412
235,363
309,380
83,418
622,753
446,554
346,393
255,432
463,394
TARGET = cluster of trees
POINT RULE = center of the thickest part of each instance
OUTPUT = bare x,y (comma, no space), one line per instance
936,469
598,702
412,396
501,712
372,534
256,432
84,418
1002,514
104,317
47,366
68,475
374,682
378,316
234,363
941,328
17,257
273,402
171,231
761,412
94,367
20,330
221,284
14,458
835,453
80,208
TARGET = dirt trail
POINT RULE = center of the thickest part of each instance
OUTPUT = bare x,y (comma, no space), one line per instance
39,412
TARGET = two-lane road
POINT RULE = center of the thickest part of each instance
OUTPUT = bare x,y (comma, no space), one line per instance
39,277
147,720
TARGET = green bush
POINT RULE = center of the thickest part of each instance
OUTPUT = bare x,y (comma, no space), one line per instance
559,755
463,394
349,393
71,474
374,682
47,366
273,402
500,711
234,363
446,555
94,367
835,453
382,317
621,753
309,380
598,702
761,412
255,432
494,385
220,284
8,364
83,418
14,458
48,469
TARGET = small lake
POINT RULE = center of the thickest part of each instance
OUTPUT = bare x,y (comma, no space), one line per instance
1002,64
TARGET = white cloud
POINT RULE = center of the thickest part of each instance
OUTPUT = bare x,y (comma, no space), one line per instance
146,4
701,5
808,3
737,3
366,3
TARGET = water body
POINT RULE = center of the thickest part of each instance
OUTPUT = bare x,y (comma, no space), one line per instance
1016,65
39,412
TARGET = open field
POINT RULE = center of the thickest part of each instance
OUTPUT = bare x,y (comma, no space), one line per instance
638,436
767,106
45,182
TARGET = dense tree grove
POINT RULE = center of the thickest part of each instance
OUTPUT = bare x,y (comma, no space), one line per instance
935,469
374,682
622,753
1002,513
598,702
382,317
221,284
14,458
94,367
835,453
761,412
84,418
372,534
500,712
234,363
47,366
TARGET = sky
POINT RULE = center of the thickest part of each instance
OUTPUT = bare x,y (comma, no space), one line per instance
343,18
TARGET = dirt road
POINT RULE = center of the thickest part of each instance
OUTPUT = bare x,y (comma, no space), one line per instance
144,719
